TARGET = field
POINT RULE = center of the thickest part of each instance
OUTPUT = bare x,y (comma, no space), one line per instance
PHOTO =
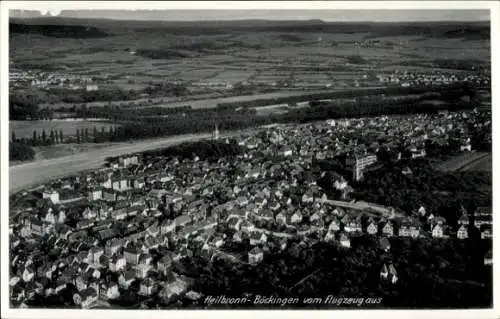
68,127
232,53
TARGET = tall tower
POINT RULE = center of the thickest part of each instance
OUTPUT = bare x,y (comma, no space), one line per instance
215,134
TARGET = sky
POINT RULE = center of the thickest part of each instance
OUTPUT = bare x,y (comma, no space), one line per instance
326,15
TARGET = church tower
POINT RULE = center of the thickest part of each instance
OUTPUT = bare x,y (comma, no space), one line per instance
216,134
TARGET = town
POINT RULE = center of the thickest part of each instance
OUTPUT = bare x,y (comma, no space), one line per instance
98,235
362,78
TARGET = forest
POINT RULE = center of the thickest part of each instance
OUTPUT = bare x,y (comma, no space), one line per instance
159,122
431,274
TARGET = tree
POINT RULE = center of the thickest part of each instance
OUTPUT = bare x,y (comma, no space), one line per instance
35,138
20,152
44,137
52,137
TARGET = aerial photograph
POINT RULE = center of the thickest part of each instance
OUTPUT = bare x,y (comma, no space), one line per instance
250,159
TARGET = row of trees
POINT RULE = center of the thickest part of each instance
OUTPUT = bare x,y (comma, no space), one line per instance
40,139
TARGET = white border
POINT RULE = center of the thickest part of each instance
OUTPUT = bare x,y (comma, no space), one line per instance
235,5
197,5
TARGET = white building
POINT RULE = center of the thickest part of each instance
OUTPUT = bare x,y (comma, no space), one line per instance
52,195
359,163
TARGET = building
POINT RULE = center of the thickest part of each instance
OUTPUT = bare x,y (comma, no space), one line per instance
255,256
89,296
358,163
132,255
488,258
216,134
129,160
462,232
52,195
148,287
95,194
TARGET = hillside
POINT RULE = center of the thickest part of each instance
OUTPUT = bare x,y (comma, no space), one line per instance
71,27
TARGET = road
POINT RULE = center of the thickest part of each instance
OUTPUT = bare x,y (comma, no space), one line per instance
32,173
28,174
464,161
483,163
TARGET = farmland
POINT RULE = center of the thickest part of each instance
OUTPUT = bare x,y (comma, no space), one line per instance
306,56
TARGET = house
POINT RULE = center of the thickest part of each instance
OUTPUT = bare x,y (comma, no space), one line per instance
438,231
422,211
393,275
463,220
139,183
296,218
352,225
247,226
389,273
88,297
165,263
304,230
217,241
94,194
488,258
148,287
94,254
462,232
409,228
482,211
385,245
372,228
234,223
28,274
109,195
344,240
308,197
281,218
132,255
255,256
36,227
142,269
486,231
334,225
117,263
182,220
52,195
126,278
316,216
388,229
384,272
112,246
109,291
167,226
257,238
483,220
127,161
330,236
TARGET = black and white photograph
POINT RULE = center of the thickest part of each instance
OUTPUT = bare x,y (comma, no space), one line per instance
247,158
